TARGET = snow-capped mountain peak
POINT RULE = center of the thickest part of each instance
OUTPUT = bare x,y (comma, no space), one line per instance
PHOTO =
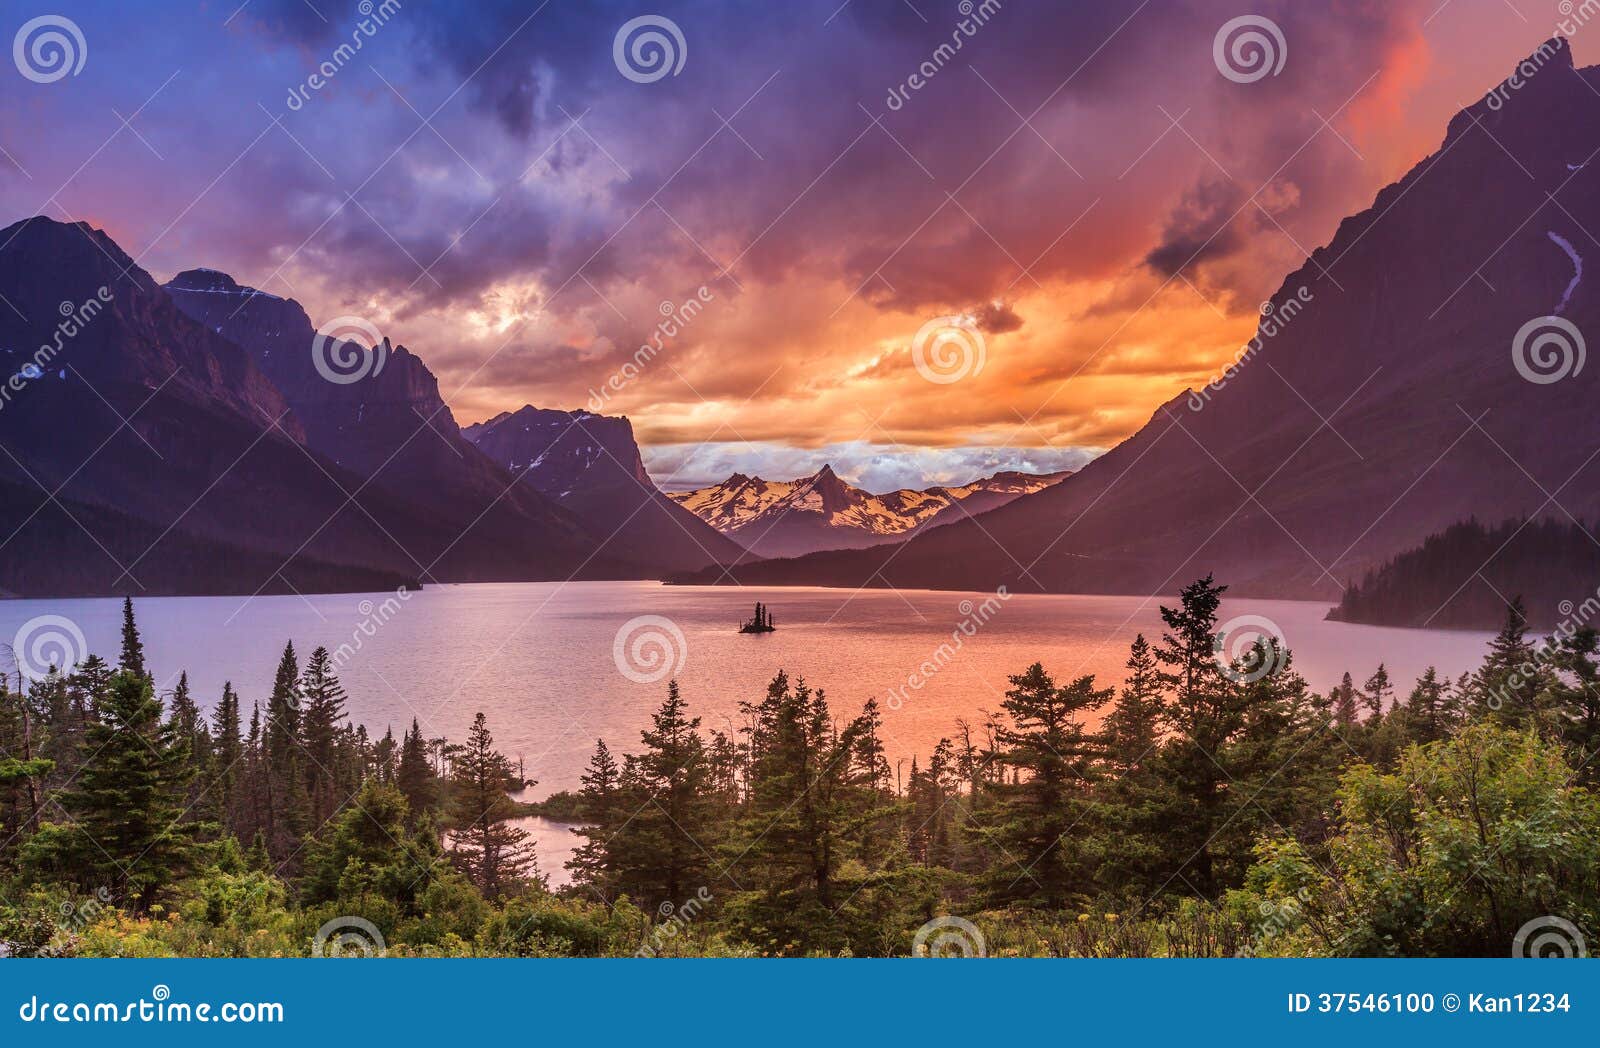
822,511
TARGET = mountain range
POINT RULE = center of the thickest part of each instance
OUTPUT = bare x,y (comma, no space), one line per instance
1423,368
1401,381
181,438
821,512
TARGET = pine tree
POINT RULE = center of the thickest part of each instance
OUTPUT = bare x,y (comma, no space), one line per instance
415,776
328,778
188,725
132,647
1345,712
1133,726
601,808
287,816
1132,808
227,752
495,856
126,833
1509,682
1205,711
661,853
1575,699
1427,713
805,816
1041,859
1377,694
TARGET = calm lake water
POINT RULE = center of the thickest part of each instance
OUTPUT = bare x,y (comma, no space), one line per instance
541,660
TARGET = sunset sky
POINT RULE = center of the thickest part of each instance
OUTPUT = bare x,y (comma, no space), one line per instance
489,189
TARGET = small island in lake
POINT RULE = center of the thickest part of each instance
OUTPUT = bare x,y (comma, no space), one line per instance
760,623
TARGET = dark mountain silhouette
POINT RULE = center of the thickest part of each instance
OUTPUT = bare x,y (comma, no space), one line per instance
778,518
590,464
122,402
393,429
1401,342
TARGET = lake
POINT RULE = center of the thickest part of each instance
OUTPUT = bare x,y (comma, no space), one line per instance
556,666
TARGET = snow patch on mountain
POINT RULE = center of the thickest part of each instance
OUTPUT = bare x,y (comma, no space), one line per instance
1577,268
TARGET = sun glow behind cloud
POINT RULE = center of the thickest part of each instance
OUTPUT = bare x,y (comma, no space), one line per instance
523,241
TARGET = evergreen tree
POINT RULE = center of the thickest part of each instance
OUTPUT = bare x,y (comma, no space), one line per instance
227,752
1509,682
415,776
495,856
1346,713
1133,726
1205,711
661,853
1032,826
188,725
1377,694
287,814
132,647
126,833
1428,716
797,829
601,808
329,779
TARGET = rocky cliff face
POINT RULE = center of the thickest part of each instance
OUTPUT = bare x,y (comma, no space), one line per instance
591,465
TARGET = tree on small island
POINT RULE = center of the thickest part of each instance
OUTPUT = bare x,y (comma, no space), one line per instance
760,623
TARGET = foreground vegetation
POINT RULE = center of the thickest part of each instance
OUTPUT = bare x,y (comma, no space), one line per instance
1201,809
